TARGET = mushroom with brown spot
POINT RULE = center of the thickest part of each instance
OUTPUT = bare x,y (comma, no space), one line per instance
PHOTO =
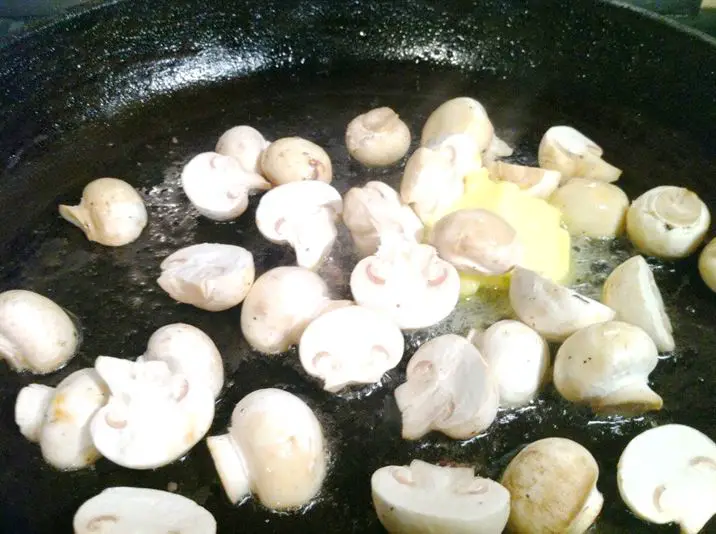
378,137
294,159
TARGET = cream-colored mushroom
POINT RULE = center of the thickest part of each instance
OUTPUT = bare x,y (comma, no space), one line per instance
422,498
667,474
245,144
303,215
294,159
707,265
570,152
210,276
553,488
377,138
555,311
449,388
36,334
668,222
607,366
274,449
111,212
535,182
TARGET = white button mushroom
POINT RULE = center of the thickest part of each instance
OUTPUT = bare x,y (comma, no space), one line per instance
707,265
422,499
274,449
59,418
607,366
570,152
36,335
210,276
124,510
375,210
535,182
377,138
111,212
449,388
668,222
153,416
632,292
407,281
555,311
218,186
667,474
245,144
350,345
553,488
294,159
303,215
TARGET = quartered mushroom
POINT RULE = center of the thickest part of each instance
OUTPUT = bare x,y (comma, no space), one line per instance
274,449
607,366
378,137
153,416
553,488
555,311
124,510
210,276
218,186
570,152
449,388
534,181
423,498
667,474
36,334
707,265
111,212
294,159
350,345
631,291
668,222
303,215
245,144
375,210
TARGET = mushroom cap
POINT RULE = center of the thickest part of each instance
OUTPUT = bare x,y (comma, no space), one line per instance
350,345
462,115
707,265
424,498
245,144
294,159
122,510
210,276
535,182
378,137
35,333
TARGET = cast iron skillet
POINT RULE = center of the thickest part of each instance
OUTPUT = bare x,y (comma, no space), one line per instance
134,89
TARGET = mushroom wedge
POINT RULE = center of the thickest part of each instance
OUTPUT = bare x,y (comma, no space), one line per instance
378,137
294,159
533,181
246,145
425,499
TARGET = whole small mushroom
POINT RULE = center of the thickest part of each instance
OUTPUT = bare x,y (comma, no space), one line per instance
245,144
294,159
377,138
111,212
707,265
535,182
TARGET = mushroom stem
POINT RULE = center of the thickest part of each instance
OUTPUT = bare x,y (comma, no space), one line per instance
588,514
230,466
74,215
692,498
30,409
593,166
632,399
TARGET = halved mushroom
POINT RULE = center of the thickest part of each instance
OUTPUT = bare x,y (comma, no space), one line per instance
303,215
123,510
245,144
553,488
631,291
423,498
570,152
210,276
535,182
668,222
36,334
607,366
350,345
449,388
218,186
667,474
555,311
377,138
707,265
294,159
375,210
111,212
274,449
153,416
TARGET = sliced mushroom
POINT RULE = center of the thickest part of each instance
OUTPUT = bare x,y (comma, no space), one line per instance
667,474
553,488
555,311
111,212
535,182
668,222
36,334
632,292
245,144
449,388
294,159
422,498
707,265
274,449
123,510
377,138
210,276
303,215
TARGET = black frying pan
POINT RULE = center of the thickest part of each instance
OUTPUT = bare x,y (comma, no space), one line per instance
135,88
